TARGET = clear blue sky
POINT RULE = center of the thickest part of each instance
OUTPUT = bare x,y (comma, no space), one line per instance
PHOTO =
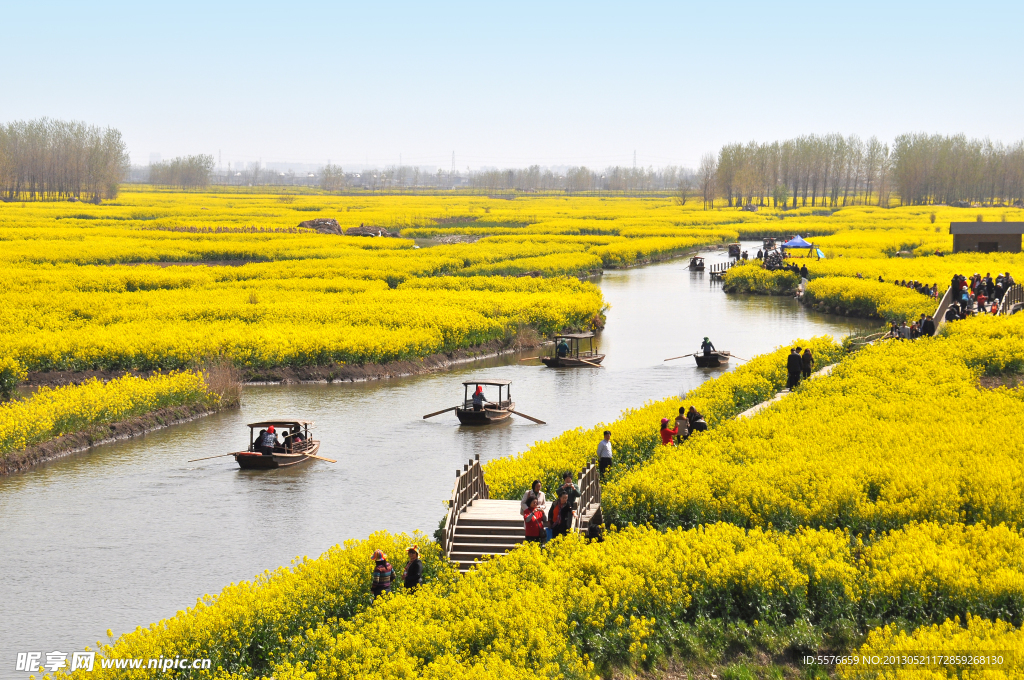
509,84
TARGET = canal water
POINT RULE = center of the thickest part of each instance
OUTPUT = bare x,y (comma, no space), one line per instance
130,532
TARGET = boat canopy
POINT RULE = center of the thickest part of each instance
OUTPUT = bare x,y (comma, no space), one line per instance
281,423
574,336
495,383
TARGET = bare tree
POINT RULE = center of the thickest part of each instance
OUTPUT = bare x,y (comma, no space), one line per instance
707,175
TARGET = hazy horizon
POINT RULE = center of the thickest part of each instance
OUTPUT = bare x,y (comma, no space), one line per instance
510,85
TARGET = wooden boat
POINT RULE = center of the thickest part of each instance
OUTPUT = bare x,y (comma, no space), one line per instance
697,263
492,411
734,250
574,358
713,360
284,455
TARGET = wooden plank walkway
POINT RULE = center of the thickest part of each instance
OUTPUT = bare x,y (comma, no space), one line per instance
757,408
478,526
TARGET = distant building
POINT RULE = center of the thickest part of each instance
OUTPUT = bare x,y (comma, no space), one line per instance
986,237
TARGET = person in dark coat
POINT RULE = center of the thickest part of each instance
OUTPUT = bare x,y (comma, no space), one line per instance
803,272
568,488
928,327
707,347
794,365
807,362
560,515
413,573
697,423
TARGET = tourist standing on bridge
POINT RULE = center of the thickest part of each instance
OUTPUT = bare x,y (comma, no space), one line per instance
794,365
560,516
807,362
569,488
413,572
604,453
383,574
533,523
533,492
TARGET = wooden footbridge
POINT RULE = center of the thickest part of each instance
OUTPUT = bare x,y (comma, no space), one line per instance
477,525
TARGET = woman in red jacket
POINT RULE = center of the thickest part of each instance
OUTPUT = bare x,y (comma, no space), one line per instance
534,523
667,435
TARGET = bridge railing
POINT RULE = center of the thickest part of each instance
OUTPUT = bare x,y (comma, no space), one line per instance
469,486
940,312
589,486
1012,299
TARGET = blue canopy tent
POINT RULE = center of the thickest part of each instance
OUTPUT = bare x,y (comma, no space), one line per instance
797,242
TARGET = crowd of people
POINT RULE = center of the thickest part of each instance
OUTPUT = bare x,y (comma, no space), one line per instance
686,423
977,294
539,527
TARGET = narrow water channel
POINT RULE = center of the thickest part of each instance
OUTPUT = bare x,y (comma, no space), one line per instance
129,533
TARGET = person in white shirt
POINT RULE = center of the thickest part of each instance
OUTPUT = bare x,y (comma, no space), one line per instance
534,492
604,452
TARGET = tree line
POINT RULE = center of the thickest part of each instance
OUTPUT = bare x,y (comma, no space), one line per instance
54,160
184,172
834,171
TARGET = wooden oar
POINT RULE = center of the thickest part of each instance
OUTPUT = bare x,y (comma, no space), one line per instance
209,457
523,415
682,357
308,455
437,413
590,363
529,358
736,357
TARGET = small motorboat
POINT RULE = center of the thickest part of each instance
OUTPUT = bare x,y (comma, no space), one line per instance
571,356
713,360
297,447
697,263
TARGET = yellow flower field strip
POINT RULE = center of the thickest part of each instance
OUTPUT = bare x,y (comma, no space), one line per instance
561,610
884,440
52,412
635,434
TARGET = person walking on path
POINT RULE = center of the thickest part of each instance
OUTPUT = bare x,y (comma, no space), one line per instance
604,453
807,362
533,492
682,426
667,435
383,574
794,365
560,516
533,523
928,327
413,572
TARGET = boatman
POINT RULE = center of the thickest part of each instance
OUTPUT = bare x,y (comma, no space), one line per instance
563,348
706,346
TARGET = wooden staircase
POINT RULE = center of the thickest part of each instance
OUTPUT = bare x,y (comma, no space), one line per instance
478,526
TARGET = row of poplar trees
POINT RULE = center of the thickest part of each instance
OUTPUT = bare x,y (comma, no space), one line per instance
60,160
833,171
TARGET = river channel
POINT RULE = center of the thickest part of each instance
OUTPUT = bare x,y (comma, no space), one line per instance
130,533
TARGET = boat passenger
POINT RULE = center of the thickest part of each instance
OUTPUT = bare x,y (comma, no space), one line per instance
413,572
268,439
667,434
562,349
383,574
706,346
478,399
534,492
